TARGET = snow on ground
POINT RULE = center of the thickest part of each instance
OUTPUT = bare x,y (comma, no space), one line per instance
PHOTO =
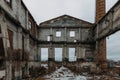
2,73
45,65
64,74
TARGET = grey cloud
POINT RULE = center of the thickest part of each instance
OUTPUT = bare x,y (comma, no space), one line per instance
43,10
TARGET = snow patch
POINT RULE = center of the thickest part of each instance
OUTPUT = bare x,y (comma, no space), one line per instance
2,73
64,73
45,65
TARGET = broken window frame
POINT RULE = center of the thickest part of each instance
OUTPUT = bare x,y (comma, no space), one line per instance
72,33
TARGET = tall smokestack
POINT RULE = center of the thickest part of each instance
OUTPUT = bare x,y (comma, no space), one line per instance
100,9
100,12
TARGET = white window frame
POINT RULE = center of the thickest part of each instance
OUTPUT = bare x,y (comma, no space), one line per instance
72,33
58,33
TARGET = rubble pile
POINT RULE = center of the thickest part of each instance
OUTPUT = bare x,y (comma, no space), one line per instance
64,73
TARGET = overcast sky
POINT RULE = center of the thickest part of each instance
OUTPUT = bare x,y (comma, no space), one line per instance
43,10
113,46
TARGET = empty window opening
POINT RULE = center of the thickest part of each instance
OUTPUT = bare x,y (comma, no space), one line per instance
29,25
72,54
58,54
48,38
44,54
72,33
2,64
10,35
23,56
113,46
1,45
58,33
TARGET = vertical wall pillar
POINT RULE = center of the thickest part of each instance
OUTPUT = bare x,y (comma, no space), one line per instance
82,53
65,58
51,54
78,53
6,45
67,53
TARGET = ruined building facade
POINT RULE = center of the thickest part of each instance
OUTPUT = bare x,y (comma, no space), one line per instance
18,39
22,40
66,33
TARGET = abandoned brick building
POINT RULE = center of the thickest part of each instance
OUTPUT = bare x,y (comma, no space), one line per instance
22,40
65,33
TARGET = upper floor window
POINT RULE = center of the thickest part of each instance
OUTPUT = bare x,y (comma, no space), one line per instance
29,25
72,33
48,38
58,33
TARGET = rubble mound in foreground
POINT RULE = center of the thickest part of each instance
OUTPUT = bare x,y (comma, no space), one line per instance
64,73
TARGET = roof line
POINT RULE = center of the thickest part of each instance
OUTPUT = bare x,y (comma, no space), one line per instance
63,16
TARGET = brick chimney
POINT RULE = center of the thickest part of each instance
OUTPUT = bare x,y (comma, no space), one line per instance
100,9
101,55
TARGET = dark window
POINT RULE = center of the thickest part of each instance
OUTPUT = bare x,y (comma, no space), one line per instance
10,34
23,46
1,44
2,64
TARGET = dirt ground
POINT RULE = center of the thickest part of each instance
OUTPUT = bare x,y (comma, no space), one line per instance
109,78
40,78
